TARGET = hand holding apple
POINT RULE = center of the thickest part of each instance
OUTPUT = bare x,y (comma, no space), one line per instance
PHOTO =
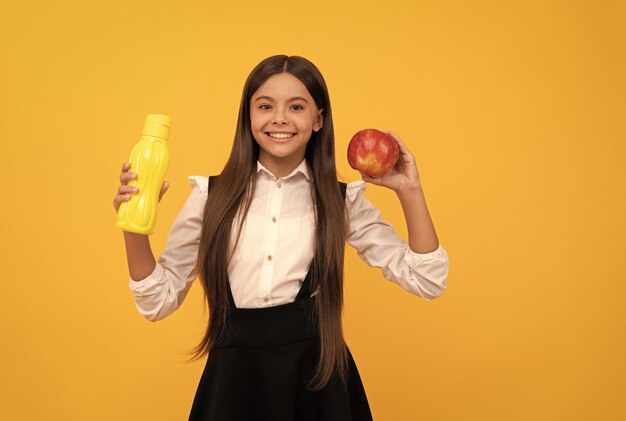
373,152
401,174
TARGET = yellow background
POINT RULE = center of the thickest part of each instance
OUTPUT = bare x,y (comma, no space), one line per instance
513,110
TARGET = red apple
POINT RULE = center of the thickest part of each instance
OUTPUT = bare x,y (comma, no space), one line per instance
373,152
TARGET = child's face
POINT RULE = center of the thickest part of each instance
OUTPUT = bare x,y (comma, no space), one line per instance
283,116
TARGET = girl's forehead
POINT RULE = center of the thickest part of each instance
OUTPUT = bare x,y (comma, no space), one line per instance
282,86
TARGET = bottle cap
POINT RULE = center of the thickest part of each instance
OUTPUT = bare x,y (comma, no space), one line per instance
157,125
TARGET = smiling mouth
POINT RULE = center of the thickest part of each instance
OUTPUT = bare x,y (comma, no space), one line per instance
280,137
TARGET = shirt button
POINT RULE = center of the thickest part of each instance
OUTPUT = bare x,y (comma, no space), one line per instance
273,219
269,257
279,184
267,298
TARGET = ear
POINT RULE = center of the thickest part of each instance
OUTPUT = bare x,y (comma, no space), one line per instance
319,121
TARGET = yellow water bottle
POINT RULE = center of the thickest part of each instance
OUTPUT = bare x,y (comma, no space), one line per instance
150,159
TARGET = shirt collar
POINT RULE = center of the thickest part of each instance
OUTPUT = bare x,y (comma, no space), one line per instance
301,168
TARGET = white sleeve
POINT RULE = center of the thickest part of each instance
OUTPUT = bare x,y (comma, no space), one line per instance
376,242
163,291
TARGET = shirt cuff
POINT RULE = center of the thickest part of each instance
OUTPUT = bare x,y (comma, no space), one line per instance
432,270
416,258
139,287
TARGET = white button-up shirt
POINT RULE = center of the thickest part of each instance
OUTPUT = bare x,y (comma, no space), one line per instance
275,250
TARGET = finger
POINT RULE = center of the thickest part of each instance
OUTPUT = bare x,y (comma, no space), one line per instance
125,177
122,198
125,189
369,179
394,135
164,188
399,140
125,166
401,144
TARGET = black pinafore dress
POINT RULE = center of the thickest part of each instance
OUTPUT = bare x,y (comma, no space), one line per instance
259,368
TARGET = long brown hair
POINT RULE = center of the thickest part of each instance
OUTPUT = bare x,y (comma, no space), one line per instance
230,197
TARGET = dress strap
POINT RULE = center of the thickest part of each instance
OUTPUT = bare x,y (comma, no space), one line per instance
305,288
231,299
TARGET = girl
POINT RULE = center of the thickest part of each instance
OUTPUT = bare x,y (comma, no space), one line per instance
266,239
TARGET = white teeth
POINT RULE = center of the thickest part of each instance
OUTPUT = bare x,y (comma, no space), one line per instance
280,135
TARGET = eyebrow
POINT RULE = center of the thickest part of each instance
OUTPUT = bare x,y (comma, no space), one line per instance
269,98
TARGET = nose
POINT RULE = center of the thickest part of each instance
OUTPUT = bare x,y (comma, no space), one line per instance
279,117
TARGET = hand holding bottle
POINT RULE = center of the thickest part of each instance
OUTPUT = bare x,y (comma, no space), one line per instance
150,160
125,192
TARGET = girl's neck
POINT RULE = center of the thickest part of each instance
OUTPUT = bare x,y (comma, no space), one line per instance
280,167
